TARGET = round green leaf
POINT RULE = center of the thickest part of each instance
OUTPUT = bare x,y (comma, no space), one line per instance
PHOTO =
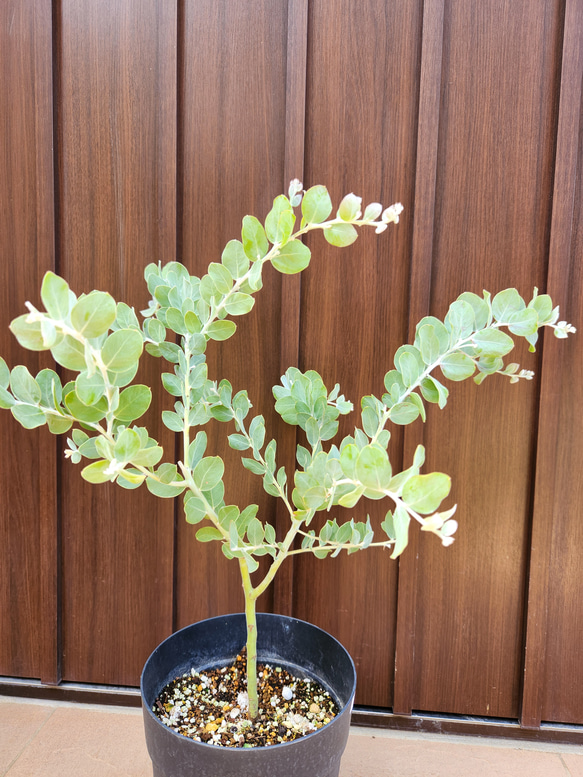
434,391
280,220
164,490
193,322
340,235
429,344
460,320
208,534
316,205
234,259
506,303
543,305
351,498
255,242
404,413
255,531
175,320
196,449
221,330
349,208
292,258
148,456
208,472
125,317
24,386
238,304
424,493
208,290
95,472
348,458
122,350
493,342
84,413
373,468
194,508
89,389
172,384
88,447
51,389
70,353
400,527
133,403
457,366
58,424
93,314
155,330
28,416
479,306
523,323
409,363
172,421
372,211
55,296
29,336
130,479
127,445
221,277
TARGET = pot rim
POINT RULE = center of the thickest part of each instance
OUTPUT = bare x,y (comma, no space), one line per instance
344,708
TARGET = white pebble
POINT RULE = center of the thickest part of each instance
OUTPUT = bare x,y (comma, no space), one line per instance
287,693
235,712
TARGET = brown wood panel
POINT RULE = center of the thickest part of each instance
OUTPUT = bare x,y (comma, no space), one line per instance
295,123
491,231
233,92
175,119
419,302
360,137
28,528
117,154
553,679
562,677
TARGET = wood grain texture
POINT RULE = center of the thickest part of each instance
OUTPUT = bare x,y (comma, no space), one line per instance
28,518
491,231
361,113
175,119
419,306
289,349
553,682
117,153
233,92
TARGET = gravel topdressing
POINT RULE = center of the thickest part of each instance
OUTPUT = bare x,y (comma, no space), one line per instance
211,706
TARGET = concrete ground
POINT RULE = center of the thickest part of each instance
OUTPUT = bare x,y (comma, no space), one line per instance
41,739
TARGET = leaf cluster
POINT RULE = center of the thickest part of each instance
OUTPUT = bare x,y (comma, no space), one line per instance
102,342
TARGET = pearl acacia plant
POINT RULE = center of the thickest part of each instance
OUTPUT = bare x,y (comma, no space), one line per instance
102,341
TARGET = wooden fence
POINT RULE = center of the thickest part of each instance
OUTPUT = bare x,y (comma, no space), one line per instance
135,131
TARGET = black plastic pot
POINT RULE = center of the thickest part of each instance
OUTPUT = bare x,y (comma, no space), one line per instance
298,646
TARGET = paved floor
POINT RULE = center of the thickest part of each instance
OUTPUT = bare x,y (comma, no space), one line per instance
40,739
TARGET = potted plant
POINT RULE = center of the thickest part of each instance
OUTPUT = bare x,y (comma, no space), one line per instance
102,341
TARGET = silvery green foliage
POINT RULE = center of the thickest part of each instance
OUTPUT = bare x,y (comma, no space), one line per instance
102,341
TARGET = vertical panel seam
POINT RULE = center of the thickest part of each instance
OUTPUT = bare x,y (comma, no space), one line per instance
295,117
179,228
419,302
569,120
49,469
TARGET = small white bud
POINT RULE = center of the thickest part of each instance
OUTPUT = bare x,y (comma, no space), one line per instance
392,213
